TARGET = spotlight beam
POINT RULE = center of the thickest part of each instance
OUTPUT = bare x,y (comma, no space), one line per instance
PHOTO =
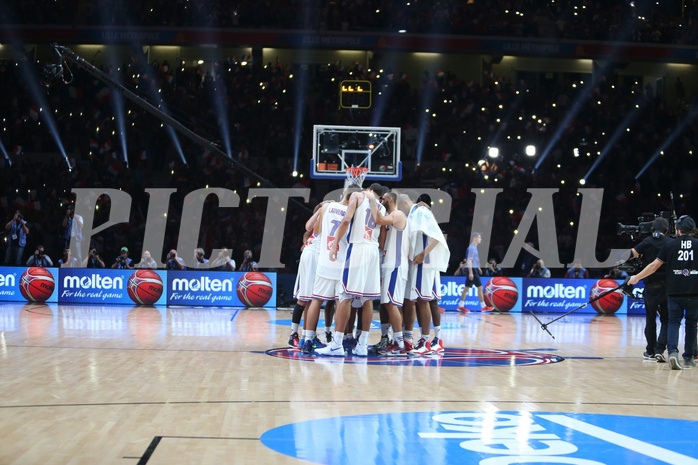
672,137
218,97
584,95
40,99
627,121
4,153
66,53
423,125
385,87
301,86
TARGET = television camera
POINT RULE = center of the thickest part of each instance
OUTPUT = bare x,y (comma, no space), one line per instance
644,224
644,227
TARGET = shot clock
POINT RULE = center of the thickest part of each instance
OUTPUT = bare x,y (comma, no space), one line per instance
355,94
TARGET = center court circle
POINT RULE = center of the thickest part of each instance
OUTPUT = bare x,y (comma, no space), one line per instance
449,358
488,438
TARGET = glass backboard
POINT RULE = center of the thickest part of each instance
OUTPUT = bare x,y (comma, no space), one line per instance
336,148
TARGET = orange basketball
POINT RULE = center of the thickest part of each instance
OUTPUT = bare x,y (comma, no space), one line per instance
609,303
36,284
254,289
145,287
501,293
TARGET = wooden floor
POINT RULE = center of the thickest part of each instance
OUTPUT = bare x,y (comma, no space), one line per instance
117,385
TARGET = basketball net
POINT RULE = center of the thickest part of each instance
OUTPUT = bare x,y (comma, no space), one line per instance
355,175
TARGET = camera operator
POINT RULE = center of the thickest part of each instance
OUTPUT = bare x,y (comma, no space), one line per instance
247,263
17,240
122,262
539,270
93,260
681,282
40,258
655,291
173,261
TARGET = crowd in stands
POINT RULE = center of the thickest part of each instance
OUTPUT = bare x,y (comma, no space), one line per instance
260,100
672,21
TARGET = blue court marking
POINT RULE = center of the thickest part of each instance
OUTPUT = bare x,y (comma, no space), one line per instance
449,358
235,314
488,438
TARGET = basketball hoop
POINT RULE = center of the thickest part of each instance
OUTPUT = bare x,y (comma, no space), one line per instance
356,175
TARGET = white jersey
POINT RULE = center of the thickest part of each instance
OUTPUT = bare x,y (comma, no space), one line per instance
396,249
418,240
332,216
307,268
313,243
363,228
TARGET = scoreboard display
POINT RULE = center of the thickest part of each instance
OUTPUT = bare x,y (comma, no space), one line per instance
355,94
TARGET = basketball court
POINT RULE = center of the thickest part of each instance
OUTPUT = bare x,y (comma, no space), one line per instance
156,385
123,384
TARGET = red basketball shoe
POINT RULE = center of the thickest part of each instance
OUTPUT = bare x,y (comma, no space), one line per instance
423,347
293,341
488,308
463,310
408,347
437,345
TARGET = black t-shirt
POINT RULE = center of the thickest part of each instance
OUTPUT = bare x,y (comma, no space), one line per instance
680,256
649,248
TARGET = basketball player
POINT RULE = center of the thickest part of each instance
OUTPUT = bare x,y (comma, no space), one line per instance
327,284
474,272
437,344
394,269
303,288
429,255
361,276
359,304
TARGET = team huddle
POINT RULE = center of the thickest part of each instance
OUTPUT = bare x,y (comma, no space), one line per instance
372,244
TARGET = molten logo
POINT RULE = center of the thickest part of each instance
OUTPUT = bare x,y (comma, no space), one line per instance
9,280
556,291
453,289
94,281
203,283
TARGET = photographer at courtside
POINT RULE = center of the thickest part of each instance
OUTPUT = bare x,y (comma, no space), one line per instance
40,258
539,270
122,261
655,291
681,281
173,261
93,260
492,268
17,239
248,264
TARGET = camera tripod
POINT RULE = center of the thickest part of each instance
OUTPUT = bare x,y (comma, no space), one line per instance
544,326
